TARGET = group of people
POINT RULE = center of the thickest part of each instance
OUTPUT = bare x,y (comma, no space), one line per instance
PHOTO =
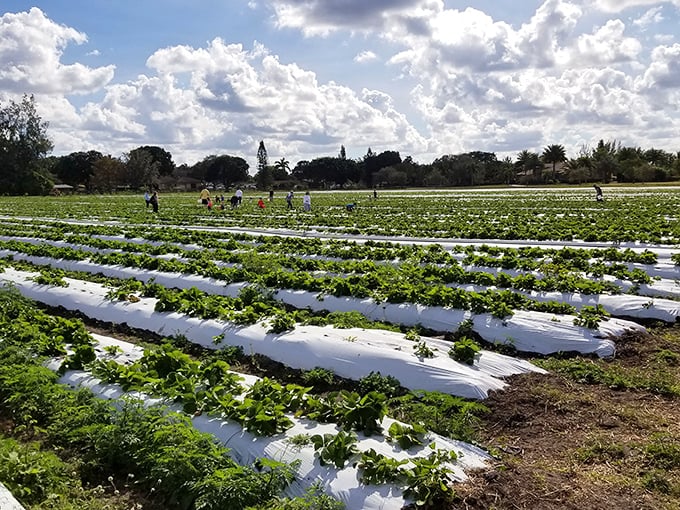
219,200
151,199
306,201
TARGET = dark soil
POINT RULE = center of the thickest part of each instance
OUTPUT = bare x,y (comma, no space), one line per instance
561,444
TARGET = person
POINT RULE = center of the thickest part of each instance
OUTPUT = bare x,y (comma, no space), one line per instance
239,195
307,202
350,207
205,196
147,198
222,200
598,193
209,204
233,201
271,195
153,200
375,193
260,203
289,199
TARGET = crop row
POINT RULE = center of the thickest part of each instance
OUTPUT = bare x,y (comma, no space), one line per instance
264,408
626,216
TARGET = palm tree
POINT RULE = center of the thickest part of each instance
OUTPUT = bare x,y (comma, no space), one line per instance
554,154
530,162
281,169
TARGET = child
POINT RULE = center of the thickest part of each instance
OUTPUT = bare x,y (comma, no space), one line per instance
260,203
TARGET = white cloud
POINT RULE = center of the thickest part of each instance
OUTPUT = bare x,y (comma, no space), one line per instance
621,5
651,17
566,75
31,47
365,56
234,98
664,70
604,46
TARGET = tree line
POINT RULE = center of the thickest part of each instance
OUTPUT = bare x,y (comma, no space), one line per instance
26,168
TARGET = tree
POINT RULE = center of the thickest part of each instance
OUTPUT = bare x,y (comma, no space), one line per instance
372,163
226,169
343,154
141,170
264,178
553,154
23,147
262,160
327,171
530,162
163,158
604,158
281,169
77,168
107,173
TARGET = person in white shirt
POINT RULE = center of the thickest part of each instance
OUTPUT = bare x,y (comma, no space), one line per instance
239,195
307,202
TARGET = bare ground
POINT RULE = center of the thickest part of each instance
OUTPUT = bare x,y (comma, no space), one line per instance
564,444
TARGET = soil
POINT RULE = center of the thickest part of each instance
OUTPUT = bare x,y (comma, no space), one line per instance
562,444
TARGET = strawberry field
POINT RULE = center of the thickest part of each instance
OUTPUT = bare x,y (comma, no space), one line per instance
335,353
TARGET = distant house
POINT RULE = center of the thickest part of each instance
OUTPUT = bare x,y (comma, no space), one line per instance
170,183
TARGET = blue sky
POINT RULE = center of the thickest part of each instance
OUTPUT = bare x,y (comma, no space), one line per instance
423,77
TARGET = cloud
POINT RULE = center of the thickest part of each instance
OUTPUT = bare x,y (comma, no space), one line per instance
31,47
475,82
233,97
319,17
651,17
365,56
622,5
604,46
664,70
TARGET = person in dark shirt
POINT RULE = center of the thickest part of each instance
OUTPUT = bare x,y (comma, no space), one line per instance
598,193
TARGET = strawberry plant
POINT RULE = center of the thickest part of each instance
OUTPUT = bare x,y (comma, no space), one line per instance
374,381
262,417
422,350
464,349
590,316
379,469
363,414
429,481
406,436
335,449
281,322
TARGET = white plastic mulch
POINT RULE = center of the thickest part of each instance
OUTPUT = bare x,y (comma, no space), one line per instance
351,353
343,484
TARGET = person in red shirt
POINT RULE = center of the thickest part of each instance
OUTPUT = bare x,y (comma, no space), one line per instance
260,204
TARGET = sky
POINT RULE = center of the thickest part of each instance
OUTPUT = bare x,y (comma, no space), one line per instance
425,78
